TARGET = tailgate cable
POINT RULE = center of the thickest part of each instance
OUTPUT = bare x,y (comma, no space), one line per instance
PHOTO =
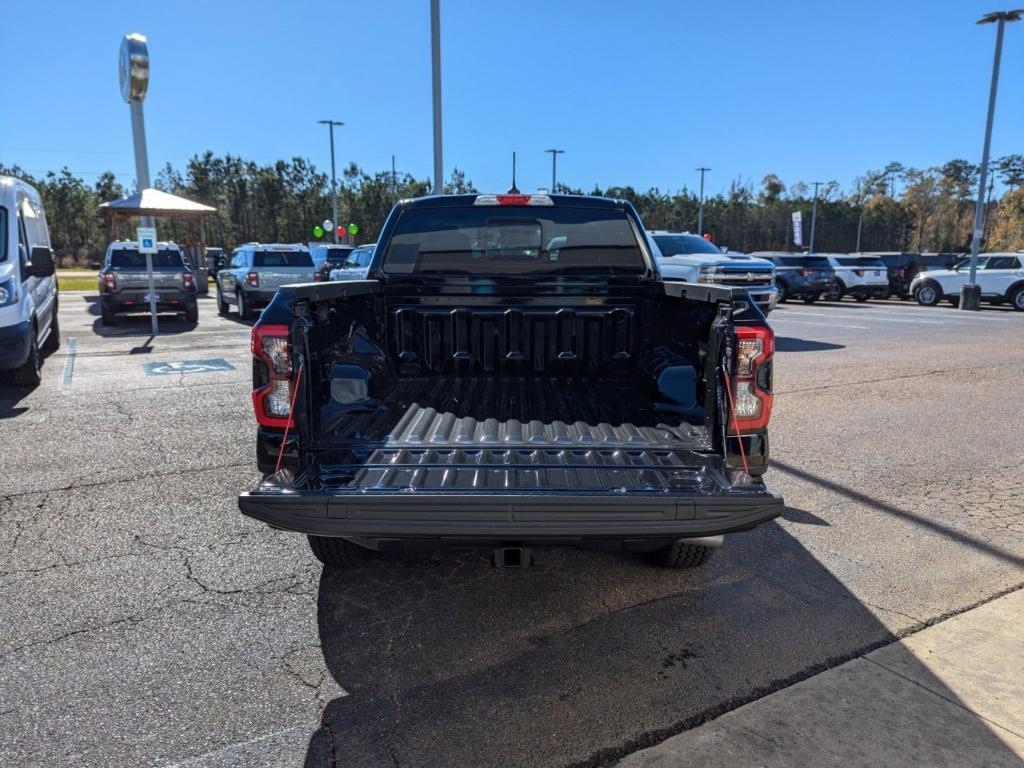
291,412
735,422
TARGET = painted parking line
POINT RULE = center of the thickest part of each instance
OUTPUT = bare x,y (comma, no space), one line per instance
824,325
69,362
877,316
212,365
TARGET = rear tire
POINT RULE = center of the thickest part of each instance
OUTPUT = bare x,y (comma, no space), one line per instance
861,298
1017,299
192,313
52,343
928,295
243,306
783,294
338,553
222,304
109,318
30,374
811,299
681,554
837,293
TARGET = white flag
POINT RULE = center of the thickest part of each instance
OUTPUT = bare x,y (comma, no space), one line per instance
798,228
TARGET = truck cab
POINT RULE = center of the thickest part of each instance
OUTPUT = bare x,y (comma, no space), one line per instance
692,259
512,373
28,284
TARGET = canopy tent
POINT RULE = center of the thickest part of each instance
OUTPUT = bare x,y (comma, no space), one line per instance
153,202
158,204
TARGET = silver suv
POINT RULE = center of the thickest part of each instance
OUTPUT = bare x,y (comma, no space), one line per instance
256,271
124,282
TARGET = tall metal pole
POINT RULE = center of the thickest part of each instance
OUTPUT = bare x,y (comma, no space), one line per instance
142,179
554,167
133,73
334,183
700,210
860,218
435,62
814,216
970,294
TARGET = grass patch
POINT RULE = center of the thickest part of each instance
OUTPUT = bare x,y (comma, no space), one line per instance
76,283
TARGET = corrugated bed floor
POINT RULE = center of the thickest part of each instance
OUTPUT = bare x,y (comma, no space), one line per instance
515,411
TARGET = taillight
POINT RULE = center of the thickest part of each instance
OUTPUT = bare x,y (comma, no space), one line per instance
253,279
188,279
805,272
272,401
859,272
752,379
109,281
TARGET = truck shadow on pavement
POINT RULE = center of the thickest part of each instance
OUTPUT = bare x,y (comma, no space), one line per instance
792,344
586,656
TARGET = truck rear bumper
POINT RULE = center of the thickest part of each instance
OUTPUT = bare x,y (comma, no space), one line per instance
492,518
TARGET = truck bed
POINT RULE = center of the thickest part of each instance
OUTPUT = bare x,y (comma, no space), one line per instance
527,411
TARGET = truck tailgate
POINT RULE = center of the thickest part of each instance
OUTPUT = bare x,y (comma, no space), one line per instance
515,491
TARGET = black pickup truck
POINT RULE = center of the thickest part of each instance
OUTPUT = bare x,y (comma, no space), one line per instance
512,373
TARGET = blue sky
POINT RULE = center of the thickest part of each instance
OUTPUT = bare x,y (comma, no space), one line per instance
637,93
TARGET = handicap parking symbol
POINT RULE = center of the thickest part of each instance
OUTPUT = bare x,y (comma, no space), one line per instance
213,365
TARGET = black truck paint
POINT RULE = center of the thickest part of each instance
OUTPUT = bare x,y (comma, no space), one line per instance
579,406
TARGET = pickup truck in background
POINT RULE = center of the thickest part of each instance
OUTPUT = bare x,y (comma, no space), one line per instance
124,282
513,372
692,259
256,271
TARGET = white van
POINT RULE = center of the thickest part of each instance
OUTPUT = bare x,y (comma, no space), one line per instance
28,285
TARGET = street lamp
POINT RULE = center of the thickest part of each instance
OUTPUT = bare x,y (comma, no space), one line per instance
133,71
700,211
435,70
814,215
334,184
970,294
554,159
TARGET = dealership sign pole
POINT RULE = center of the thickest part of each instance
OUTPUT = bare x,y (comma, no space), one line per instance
134,76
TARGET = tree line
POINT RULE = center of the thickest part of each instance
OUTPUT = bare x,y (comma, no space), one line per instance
895,208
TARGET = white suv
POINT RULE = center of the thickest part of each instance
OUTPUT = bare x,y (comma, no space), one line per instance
863,277
1000,275
28,284
690,258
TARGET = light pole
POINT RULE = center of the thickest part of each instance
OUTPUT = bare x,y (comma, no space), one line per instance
814,215
334,183
860,218
554,160
700,210
134,76
435,67
970,294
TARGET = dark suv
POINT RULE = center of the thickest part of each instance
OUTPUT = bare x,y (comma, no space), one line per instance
799,276
903,267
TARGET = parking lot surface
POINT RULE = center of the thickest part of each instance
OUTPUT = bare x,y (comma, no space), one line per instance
148,623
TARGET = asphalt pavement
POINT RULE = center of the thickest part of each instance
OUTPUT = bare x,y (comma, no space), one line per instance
148,623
